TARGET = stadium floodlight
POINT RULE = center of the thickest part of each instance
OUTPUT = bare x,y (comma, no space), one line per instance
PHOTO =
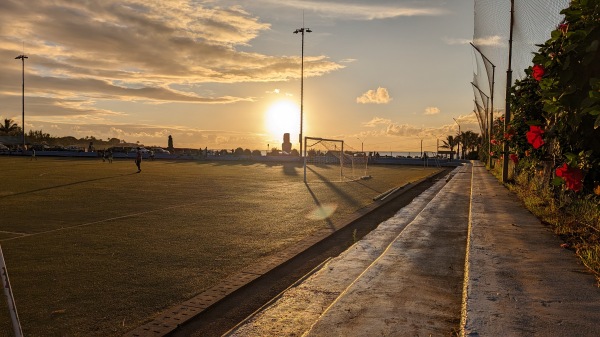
458,144
302,31
362,147
23,57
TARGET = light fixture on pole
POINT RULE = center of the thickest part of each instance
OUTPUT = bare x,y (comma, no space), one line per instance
362,148
23,57
302,30
458,143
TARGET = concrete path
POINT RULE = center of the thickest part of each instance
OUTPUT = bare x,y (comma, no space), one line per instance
519,281
410,275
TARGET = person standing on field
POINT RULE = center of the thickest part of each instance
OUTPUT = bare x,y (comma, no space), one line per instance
138,159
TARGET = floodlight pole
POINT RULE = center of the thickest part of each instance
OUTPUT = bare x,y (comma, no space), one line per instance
23,57
508,86
458,144
362,147
302,30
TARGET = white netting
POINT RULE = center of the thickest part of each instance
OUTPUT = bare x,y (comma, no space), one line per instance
329,160
533,22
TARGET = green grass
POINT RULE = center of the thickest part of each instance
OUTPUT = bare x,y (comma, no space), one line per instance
94,249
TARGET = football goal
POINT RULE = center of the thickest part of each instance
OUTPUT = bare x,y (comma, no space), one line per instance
331,160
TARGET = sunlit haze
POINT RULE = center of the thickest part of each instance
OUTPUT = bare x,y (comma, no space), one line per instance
225,74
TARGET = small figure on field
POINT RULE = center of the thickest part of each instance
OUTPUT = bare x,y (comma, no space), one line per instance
138,159
152,155
33,154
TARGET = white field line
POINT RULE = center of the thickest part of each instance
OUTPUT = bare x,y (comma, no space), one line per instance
23,235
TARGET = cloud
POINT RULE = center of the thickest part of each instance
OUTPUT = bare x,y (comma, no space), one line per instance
376,121
147,51
379,96
455,41
358,11
431,110
403,130
489,41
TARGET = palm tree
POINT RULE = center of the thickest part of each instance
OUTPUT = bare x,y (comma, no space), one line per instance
470,141
449,143
9,127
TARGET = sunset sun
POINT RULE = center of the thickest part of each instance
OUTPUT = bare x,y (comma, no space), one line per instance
282,117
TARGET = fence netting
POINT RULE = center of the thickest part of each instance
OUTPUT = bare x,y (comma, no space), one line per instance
533,22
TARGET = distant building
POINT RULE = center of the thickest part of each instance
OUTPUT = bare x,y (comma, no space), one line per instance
286,146
170,144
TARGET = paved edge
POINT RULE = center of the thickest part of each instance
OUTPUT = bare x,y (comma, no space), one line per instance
171,318
518,280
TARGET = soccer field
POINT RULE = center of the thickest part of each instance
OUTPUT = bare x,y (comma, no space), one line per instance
95,249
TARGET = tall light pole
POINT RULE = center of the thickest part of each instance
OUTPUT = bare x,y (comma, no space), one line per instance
362,148
458,145
23,57
302,30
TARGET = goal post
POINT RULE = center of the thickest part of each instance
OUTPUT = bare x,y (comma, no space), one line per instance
332,160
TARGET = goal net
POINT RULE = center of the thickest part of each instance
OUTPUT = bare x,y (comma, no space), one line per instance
331,160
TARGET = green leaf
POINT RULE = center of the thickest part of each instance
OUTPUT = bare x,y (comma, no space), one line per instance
557,181
592,47
597,123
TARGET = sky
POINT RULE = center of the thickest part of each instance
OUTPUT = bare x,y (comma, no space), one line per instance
384,75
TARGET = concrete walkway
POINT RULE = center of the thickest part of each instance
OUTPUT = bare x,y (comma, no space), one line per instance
464,257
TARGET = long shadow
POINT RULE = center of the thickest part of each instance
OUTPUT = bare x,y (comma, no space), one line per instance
345,196
318,203
66,185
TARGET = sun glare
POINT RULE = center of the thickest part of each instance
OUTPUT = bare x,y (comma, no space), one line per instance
283,117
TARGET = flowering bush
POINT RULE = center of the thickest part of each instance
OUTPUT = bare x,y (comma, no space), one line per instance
556,108
537,72
572,177
534,136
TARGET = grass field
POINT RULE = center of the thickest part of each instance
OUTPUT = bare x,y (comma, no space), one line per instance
95,249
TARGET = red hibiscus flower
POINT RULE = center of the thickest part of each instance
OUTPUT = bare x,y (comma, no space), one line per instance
564,28
494,142
538,72
571,176
534,136
514,158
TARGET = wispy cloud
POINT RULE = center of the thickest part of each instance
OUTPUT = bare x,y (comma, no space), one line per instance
489,41
379,96
350,11
377,121
431,110
486,41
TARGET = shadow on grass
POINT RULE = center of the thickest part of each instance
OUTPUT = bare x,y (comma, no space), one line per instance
318,203
343,195
66,185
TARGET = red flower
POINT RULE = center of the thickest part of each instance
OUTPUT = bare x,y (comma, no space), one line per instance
527,153
494,142
534,136
564,28
509,134
537,72
514,158
571,176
